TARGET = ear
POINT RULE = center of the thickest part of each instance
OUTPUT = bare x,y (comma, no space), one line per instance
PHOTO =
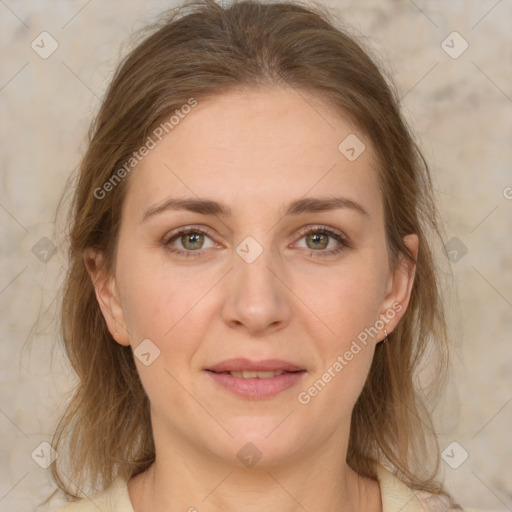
106,294
400,286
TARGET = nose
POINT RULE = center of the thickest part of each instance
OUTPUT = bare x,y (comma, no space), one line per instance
257,298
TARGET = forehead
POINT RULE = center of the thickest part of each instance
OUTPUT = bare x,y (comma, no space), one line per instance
259,146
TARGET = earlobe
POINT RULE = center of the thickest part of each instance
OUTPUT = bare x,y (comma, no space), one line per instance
106,294
397,300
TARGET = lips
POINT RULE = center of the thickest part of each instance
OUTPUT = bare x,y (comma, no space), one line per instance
248,374
246,365
256,380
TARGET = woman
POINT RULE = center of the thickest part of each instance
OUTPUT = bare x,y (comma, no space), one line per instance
251,287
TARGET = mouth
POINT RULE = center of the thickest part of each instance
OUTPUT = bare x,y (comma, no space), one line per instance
256,380
250,374
243,365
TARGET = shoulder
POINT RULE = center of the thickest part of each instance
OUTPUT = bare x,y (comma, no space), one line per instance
432,503
113,499
396,495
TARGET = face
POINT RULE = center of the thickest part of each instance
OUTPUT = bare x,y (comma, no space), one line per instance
287,261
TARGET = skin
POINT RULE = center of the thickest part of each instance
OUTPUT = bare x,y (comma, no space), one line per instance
256,151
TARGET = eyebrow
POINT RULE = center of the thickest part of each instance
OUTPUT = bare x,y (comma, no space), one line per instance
211,207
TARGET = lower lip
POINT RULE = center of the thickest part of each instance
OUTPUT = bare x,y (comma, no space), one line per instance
257,389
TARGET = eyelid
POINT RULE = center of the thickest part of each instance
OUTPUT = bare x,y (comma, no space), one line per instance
320,227
187,229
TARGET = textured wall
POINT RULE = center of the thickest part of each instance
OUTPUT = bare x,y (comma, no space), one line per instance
460,102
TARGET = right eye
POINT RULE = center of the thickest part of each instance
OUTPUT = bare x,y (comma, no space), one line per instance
191,240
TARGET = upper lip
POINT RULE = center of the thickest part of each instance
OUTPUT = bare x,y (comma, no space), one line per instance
241,363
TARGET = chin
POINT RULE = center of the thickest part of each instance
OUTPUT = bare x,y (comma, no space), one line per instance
261,442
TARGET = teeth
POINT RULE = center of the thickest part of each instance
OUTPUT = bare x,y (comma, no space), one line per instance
246,374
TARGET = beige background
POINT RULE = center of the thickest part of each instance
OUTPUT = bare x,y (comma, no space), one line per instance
461,109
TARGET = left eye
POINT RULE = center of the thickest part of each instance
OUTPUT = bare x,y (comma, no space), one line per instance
317,239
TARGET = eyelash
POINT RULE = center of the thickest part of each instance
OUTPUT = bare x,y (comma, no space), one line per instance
344,243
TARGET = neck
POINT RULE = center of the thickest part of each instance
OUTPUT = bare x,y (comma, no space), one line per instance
185,477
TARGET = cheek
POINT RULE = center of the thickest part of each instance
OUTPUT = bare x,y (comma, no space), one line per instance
154,299
164,304
349,301
349,305
147,305
350,308
159,307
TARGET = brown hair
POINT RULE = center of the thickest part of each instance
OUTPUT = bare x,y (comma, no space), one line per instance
201,50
